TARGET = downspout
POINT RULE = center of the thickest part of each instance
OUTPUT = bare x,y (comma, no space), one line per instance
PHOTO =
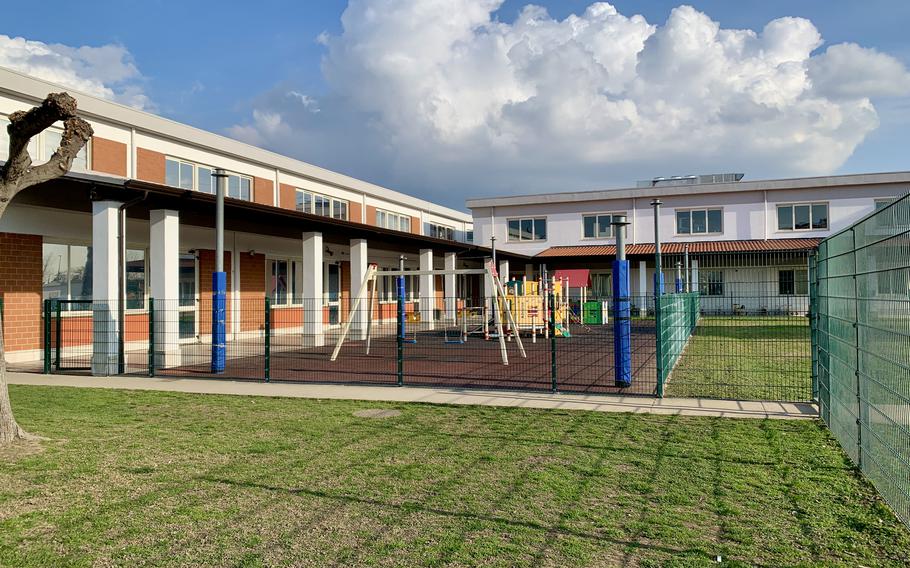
121,276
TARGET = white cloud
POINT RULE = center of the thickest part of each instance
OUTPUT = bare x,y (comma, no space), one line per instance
107,71
438,97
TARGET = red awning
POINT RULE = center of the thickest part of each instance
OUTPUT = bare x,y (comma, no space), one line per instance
577,277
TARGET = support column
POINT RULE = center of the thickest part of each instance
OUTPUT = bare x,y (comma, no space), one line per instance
450,293
642,283
427,289
358,273
503,271
313,333
164,277
694,285
105,326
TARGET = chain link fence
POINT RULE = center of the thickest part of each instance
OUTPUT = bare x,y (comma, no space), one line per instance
861,346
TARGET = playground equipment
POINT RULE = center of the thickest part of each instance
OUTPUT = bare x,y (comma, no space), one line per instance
502,313
528,302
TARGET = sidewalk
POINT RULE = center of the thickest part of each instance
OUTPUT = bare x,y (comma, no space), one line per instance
598,403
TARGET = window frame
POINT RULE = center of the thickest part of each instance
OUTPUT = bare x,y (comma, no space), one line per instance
705,284
521,220
399,218
389,296
799,279
295,267
195,178
793,205
37,151
436,227
689,210
597,216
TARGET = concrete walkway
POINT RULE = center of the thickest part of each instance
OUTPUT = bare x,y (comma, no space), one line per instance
598,403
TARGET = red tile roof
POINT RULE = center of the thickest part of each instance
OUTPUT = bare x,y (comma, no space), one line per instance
764,245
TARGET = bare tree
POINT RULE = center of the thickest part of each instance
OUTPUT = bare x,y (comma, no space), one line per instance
17,174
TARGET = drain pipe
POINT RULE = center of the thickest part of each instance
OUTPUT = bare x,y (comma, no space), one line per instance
121,277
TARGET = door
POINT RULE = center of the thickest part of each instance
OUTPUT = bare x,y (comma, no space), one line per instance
187,301
333,293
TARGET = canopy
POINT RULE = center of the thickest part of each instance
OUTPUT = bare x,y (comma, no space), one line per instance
576,277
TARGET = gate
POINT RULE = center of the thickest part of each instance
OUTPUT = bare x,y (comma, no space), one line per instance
69,341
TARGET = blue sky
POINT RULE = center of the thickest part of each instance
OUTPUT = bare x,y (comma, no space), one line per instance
213,64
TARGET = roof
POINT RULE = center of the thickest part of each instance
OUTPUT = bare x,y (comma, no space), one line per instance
701,247
575,277
22,86
706,188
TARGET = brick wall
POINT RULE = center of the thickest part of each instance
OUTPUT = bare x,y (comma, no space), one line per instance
149,165
252,291
206,267
355,212
21,269
287,196
109,156
263,191
371,215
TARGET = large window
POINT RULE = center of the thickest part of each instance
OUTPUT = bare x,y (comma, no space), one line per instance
43,146
598,226
469,236
393,221
802,217
67,274
316,204
793,282
187,175
533,229
711,282
440,231
284,282
699,221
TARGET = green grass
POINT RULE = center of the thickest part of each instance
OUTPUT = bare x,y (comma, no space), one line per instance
745,358
144,478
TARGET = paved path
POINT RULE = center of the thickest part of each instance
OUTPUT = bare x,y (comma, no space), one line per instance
599,403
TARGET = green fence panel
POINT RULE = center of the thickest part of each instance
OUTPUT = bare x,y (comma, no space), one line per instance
677,315
861,349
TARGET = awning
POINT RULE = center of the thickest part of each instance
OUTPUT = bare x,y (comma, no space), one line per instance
577,277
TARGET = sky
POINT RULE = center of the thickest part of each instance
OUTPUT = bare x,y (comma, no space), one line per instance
451,99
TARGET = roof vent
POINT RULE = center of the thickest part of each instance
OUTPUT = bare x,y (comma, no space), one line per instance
690,180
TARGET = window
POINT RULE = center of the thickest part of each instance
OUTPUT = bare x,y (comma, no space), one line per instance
393,221
792,282
528,229
469,237
187,175
284,284
388,288
711,283
43,146
67,274
802,217
598,226
699,221
315,204
440,231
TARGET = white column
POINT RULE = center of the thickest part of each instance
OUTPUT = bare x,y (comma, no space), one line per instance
313,333
694,270
104,288
358,273
487,282
503,271
451,294
427,289
643,281
164,276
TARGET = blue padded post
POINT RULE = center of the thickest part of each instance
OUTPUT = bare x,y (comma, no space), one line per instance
622,326
219,318
659,284
679,285
401,327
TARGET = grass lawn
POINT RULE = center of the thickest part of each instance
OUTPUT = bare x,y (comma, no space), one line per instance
149,478
746,358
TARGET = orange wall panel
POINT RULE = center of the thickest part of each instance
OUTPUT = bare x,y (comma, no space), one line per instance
21,271
263,191
150,165
109,156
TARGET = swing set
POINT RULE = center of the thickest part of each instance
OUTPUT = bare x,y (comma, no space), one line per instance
479,322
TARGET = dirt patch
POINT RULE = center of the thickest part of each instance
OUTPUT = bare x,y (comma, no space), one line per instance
20,449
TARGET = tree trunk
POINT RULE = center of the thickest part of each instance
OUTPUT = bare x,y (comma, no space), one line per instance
9,429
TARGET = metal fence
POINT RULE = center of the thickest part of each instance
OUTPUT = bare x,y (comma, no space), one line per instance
676,317
861,346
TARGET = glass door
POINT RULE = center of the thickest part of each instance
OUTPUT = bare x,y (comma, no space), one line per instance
333,293
186,305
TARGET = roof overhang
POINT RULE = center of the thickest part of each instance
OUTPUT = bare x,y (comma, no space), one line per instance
699,247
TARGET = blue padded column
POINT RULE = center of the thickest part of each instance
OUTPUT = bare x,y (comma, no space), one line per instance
219,318
622,326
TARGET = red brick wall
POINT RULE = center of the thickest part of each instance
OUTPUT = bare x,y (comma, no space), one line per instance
206,267
109,156
252,291
263,191
371,215
287,196
21,269
149,165
355,212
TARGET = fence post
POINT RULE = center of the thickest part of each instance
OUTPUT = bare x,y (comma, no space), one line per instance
813,321
151,337
268,339
856,372
59,325
552,324
400,334
47,337
658,350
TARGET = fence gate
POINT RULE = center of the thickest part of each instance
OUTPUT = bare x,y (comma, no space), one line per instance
69,334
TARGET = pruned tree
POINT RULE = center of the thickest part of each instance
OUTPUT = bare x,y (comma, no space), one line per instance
19,173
